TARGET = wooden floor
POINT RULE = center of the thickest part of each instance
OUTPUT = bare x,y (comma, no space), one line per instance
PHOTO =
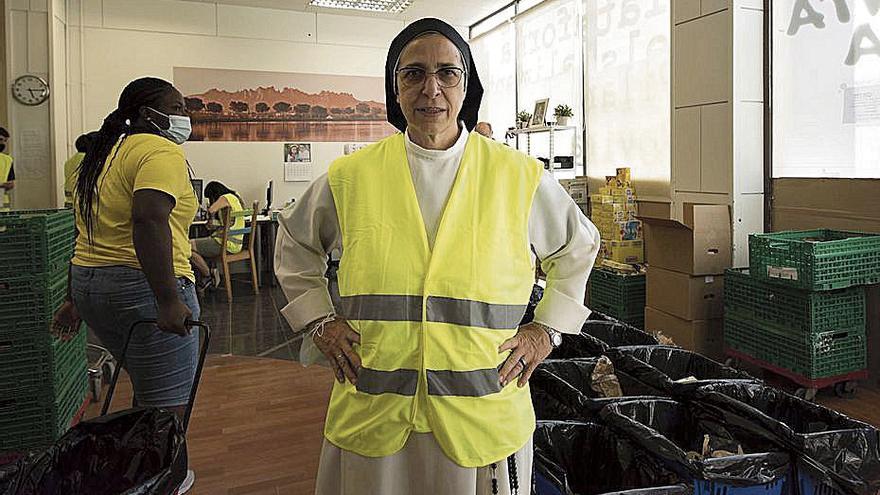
256,428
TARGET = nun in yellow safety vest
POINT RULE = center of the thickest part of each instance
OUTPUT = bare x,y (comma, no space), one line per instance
438,229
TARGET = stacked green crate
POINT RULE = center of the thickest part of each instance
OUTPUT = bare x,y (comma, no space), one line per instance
801,306
813,334
620,295
43,380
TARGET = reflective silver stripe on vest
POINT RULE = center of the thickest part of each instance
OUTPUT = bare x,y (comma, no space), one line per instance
375,382
474,313
475,383
440,310
382,307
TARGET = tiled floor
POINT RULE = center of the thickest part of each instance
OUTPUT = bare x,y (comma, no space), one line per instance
251,325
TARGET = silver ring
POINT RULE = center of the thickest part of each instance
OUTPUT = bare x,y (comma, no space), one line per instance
523,363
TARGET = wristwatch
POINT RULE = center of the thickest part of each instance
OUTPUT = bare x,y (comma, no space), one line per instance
555,337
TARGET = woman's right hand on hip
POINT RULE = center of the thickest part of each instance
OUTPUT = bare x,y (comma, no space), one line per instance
335,340
173,316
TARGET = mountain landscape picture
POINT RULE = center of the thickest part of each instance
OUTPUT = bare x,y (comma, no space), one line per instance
240,105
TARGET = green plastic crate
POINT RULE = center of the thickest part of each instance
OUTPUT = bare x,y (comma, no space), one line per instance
614,288
27,428
813,356
36,241
39,394
816,259
32,297
43,364
795,310
635,316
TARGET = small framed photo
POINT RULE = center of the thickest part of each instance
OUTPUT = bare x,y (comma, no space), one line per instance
297,152
540,112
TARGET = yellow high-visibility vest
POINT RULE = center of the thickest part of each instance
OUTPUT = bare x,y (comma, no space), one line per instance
5,167
431,321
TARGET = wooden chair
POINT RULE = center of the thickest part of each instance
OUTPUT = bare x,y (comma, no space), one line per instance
247,251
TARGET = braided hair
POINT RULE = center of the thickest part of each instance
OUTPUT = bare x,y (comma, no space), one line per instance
146,91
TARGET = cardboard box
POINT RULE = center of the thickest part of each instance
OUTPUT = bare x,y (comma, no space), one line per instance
623,251
685,296
705,337
701,245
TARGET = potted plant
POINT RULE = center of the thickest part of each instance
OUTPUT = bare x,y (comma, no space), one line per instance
562,113
522,119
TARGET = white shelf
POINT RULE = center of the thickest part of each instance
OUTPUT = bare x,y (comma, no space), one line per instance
544,128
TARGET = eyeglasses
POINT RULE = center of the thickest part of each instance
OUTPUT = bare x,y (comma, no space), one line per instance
447,77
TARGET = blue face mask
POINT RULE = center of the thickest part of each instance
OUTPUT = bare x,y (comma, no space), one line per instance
179,130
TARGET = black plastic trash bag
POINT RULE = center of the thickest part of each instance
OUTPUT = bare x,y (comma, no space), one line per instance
553,399
581,345
537,294
569,383
589,459
679,432
845,453
597,337
679,365
617,333
136,451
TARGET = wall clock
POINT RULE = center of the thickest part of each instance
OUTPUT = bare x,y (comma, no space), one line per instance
30,90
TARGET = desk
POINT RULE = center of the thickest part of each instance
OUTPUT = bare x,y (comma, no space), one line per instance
266,231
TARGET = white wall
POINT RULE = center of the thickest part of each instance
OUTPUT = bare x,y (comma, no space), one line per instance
27,45
127,39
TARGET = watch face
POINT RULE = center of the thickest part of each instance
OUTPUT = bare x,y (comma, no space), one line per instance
30,90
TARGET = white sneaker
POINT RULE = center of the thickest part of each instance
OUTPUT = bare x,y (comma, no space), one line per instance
187,482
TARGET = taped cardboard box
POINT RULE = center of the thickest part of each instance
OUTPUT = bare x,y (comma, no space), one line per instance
628,252
705,337
701,245
686,296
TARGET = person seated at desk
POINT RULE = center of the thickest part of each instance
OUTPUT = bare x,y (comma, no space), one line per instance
220,197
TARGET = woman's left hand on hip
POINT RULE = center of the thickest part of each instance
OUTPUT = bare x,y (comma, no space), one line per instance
530,347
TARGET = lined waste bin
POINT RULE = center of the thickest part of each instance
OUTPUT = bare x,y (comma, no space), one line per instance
568,387
598,336
698,445
681,369
589,459
835,453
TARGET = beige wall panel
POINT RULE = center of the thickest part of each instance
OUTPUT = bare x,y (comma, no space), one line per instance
711,6
686,149
701,70
716,148
685,10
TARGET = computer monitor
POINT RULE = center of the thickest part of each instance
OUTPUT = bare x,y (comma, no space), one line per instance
198,188
268,198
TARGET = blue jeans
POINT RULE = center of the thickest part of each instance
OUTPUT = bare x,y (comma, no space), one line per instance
161,365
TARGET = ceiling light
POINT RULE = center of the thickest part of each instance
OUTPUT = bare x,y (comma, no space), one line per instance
392,6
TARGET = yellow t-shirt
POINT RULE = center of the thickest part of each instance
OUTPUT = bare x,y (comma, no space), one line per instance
70,167
234,243
143,161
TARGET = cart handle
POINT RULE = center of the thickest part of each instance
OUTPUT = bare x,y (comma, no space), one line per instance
195,386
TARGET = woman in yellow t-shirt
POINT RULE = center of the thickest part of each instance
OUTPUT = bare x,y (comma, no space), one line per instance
219,196
134,204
